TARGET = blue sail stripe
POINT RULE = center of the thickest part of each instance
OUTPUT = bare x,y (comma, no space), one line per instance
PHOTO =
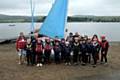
54,24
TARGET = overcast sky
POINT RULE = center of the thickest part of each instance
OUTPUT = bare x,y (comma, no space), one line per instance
76,7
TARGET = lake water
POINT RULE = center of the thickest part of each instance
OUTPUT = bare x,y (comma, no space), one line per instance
111,30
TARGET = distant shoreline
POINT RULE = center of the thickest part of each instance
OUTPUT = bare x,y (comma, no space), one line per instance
75,18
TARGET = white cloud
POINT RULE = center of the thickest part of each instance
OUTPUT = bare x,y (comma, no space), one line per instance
76,7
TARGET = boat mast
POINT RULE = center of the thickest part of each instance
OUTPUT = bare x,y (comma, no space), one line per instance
32,5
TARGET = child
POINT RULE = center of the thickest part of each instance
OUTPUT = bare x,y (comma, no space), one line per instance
96,48
47,50
76,49
80,53
20,47
84,51
62,45
67,53
95,38
104,49
57,51
39,52
70,38
89,50
29,52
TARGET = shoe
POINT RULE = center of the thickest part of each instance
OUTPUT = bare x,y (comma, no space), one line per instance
66,64
101,62
83,64
105,63
69,64
19,63
94,65
37,65
40,65
75,63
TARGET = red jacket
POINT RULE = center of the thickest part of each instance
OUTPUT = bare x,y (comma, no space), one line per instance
104,45
48,47
39,47
20,43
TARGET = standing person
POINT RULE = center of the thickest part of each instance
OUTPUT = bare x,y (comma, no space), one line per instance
47,50
96,49
20,47
67,53
89,50
104,49
84,51
57,51
70,38
39,52
95,38
76,49
80,53
62,45
33,41
29,52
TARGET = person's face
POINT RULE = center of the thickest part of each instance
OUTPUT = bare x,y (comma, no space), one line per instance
103,39
21,34
89,41
63,41
48,41
29,41
76,40
39,40
85,38
80,42
94,39
83,41
57,43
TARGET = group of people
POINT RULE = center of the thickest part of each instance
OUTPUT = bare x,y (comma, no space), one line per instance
75,49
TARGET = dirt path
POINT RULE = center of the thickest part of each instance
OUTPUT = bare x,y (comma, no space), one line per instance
10,70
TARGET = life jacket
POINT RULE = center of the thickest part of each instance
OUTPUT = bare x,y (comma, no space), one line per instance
76,47
21,43
48,47
104,44
67,49
83,48
29,46
62,45
39,48
89,47
57,49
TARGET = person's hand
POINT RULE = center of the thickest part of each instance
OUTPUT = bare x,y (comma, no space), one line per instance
103,52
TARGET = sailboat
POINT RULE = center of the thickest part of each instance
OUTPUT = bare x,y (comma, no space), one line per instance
54,24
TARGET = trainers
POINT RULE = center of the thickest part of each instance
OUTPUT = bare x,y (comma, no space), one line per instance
69,63
66,64
94,65
105,63
19,63
101,62
75,63
40,65
37,65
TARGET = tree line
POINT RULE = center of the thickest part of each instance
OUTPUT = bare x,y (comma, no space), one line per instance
14,19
